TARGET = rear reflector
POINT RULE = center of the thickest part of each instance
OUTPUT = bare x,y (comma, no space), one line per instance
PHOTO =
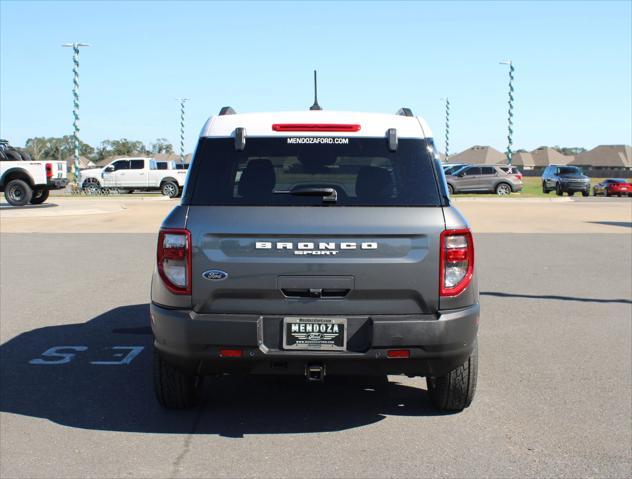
230,353
315,127
398,353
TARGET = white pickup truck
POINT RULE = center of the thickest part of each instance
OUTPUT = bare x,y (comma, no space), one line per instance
129,174
30,181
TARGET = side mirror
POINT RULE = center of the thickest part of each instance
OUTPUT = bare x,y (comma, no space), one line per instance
109,169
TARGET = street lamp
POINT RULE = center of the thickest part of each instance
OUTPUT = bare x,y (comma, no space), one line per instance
447,128
182,102
510,113
75,94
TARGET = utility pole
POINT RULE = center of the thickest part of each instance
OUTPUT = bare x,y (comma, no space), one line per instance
75,102
447,128
182,102
510,113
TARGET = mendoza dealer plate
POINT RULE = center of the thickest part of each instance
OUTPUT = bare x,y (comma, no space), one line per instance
324,334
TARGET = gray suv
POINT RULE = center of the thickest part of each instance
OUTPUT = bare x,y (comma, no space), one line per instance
565,179
502,180
315,243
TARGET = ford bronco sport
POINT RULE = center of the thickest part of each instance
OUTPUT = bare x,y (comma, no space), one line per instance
315,243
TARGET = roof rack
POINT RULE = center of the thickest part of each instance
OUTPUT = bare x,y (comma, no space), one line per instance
227,110
405,112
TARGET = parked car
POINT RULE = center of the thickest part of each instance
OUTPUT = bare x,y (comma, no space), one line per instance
451,168
565,179
26,181
129,174
306,244
613,187
485,179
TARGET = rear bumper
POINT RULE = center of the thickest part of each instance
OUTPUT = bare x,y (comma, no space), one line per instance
437,343
56,183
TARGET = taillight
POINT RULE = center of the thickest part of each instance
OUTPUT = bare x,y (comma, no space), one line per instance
174,259
49,170
315,127
456,265
519,176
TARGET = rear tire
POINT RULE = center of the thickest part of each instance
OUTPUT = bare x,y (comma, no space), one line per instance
39,196
455,391
585,193
170,189
18,192
91,188
571,193
450,189
558,190
503,189
174,389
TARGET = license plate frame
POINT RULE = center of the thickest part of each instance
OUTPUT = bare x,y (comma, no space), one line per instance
305,339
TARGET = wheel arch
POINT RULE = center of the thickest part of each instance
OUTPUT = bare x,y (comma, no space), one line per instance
168,179
16,174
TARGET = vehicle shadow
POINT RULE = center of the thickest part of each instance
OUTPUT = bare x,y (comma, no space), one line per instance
554,297
624,224
7,206
78,393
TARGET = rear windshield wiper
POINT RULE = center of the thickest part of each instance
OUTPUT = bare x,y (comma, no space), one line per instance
329,195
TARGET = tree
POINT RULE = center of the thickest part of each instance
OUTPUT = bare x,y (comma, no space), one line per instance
161,145
569,151
53,148
122,147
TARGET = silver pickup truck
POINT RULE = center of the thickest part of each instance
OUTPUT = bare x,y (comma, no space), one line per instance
315,243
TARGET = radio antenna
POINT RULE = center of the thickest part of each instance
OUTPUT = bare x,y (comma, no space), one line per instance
315,106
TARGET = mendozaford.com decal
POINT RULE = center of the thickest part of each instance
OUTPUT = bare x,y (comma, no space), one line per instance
318,141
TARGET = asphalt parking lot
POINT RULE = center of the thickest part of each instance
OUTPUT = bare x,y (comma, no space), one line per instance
554,395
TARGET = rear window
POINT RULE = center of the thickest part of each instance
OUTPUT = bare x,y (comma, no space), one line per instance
278,172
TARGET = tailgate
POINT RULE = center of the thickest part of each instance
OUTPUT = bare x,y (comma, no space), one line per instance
315,260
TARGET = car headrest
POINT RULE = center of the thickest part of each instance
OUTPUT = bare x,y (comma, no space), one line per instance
374,184
257,179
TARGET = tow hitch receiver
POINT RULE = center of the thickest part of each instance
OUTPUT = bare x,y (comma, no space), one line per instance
315,372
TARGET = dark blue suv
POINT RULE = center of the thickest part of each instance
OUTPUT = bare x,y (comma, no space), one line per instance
565,179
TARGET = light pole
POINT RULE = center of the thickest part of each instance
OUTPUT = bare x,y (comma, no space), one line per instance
447,128
510,113
75,102
182,102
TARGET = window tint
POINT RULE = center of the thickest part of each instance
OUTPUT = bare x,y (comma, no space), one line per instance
274,171
162,165
474,170
570,170
121,165
137,164
488,170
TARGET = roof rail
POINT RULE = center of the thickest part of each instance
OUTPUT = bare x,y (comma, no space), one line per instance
227,110
405,112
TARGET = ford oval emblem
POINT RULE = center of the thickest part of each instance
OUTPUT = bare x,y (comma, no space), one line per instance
215,275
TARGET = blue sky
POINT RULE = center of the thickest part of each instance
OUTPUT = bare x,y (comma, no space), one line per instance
573,66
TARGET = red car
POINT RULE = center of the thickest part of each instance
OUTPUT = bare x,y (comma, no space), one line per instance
612,187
